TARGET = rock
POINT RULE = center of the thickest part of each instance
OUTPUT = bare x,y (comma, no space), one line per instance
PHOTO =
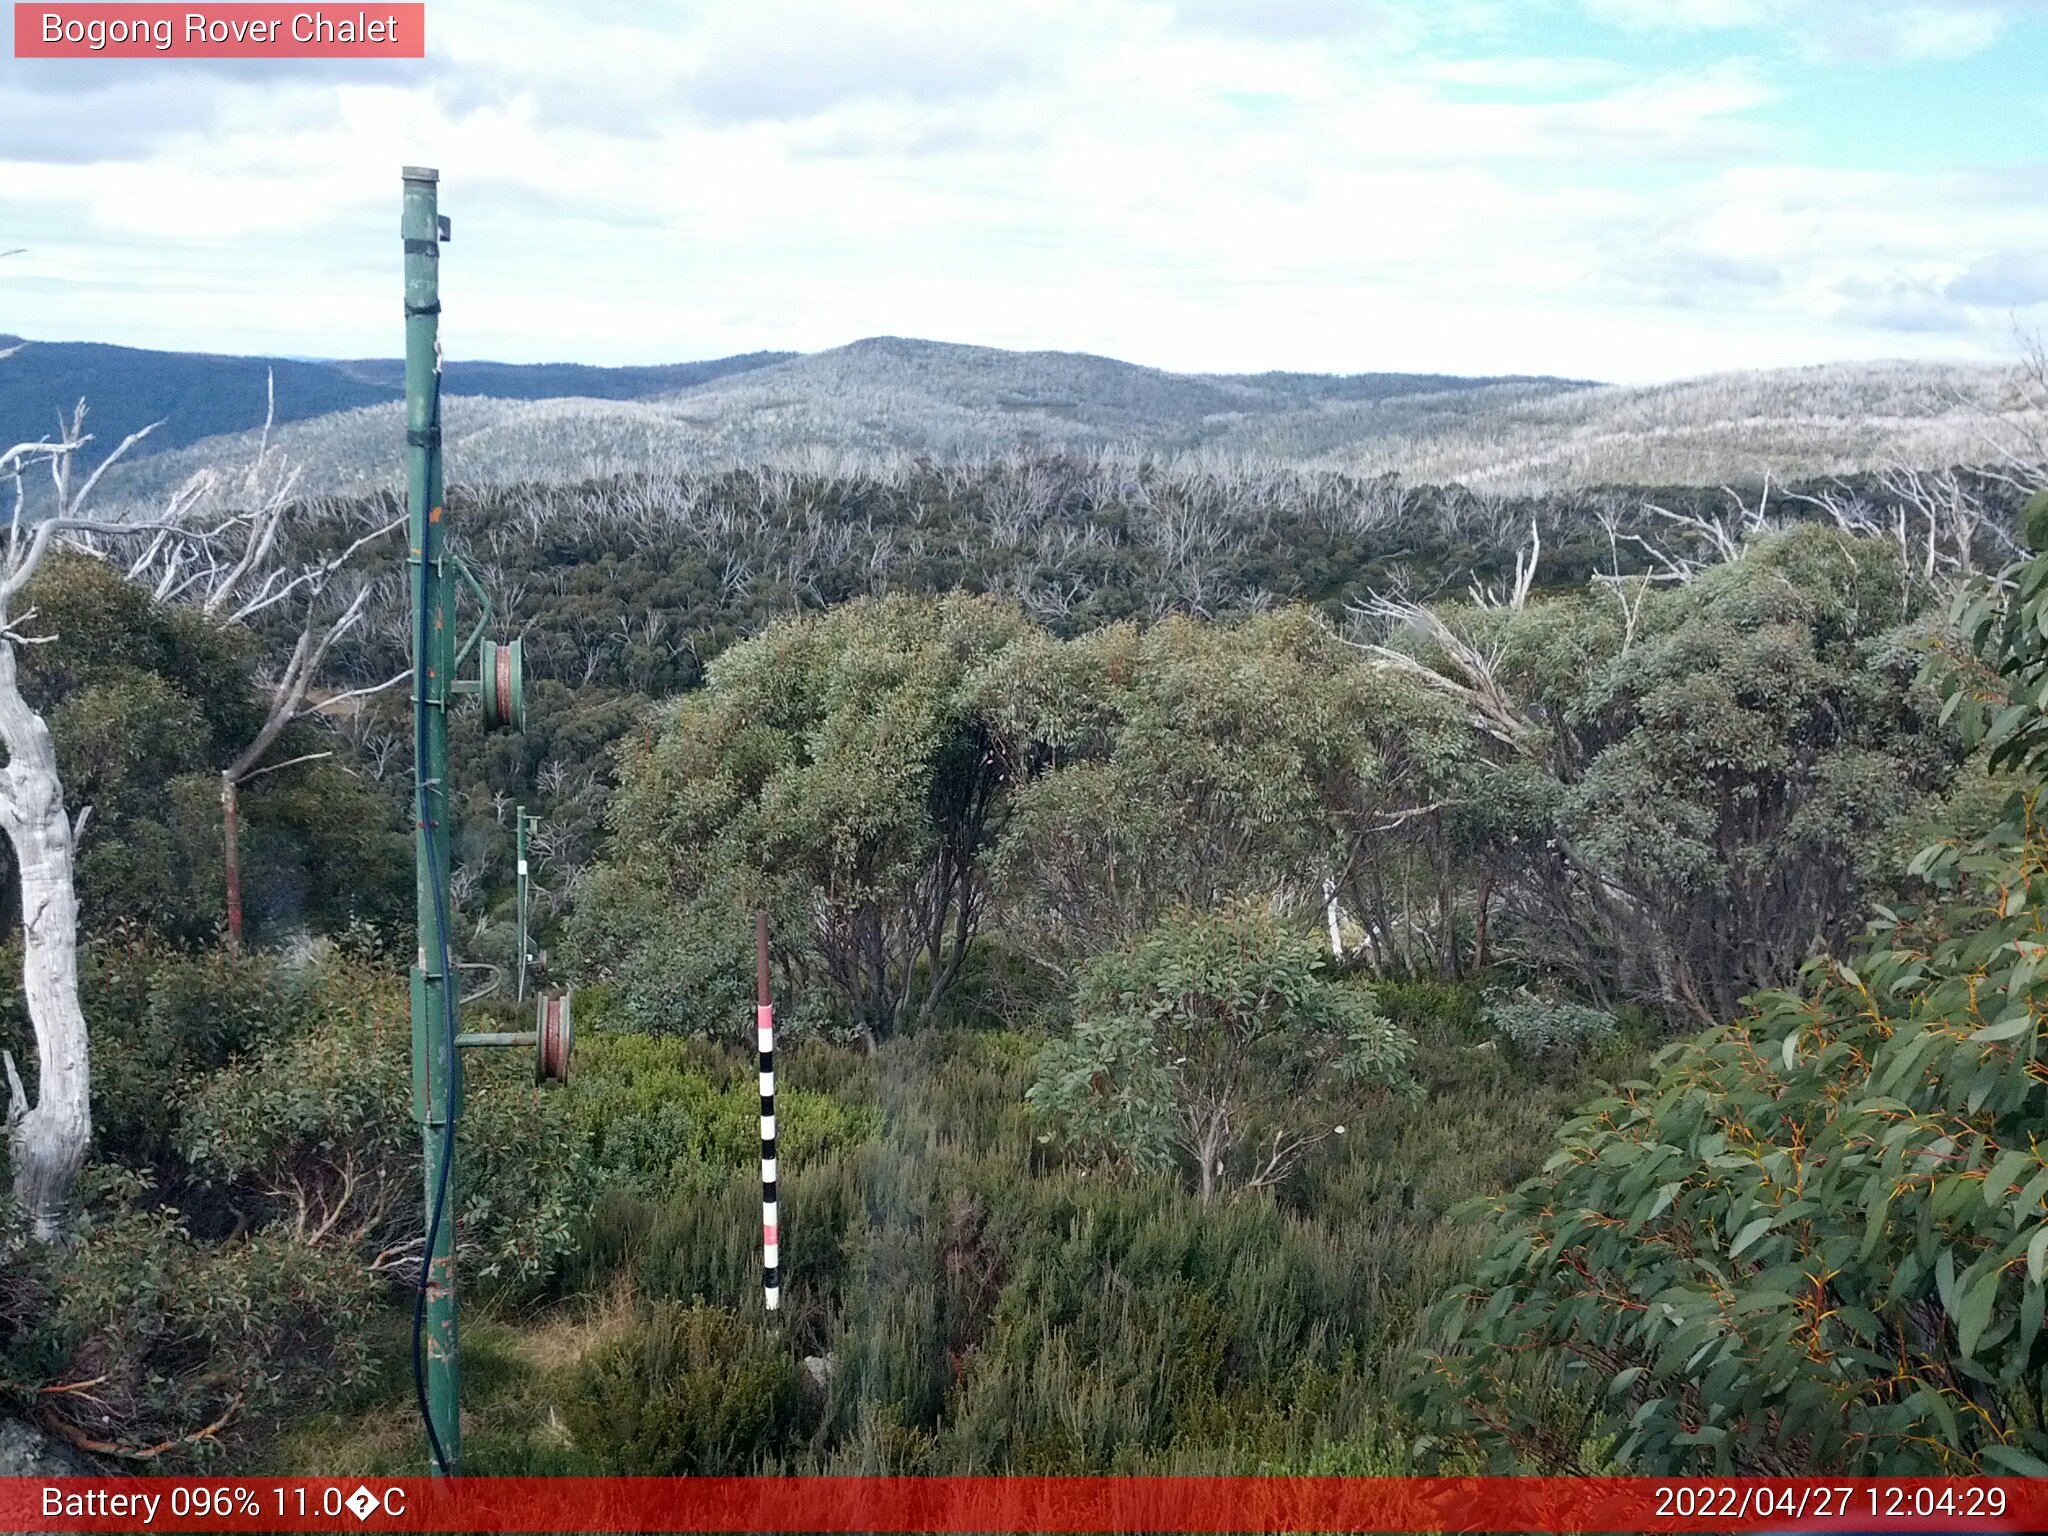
26,1451
818,1373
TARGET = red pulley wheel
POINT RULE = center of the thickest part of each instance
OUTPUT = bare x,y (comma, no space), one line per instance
501,684
555,1035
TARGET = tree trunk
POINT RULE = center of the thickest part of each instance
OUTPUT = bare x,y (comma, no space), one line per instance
1210,1154
46,1141
231,826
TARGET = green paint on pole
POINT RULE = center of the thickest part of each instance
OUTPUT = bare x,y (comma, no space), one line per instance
437,572
437,1087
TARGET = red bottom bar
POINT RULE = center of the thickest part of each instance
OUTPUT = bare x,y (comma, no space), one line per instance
1023,1504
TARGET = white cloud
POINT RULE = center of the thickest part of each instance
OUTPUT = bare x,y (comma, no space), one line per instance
1680,15
1864,31
798,60
1535,73
1199,184
2003,279
1282,18
1909,33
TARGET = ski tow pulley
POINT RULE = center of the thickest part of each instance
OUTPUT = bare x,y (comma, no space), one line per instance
501,684
554,1037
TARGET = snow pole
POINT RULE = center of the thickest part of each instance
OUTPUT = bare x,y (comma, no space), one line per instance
764,1033
522,819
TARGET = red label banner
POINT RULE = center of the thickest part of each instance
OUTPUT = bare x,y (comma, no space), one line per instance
240,31
961,1505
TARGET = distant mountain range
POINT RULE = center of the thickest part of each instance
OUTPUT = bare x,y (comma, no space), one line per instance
890,395
198,395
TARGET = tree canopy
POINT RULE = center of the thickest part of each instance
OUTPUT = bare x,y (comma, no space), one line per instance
1817,1238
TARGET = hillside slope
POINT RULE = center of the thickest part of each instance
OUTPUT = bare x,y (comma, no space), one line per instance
551,381
194,394
1834,419
882,395
197,395
890,392
890,396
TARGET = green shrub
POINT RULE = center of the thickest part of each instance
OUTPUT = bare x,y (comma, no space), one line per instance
1430,1004
1536,1027
691,1391
670,967
614,1239
1218,1042
314,1132
1126,1328
662,1112
987,1304
186,1344
1004,986
1817,1240
159,1017
841,770
1813,1242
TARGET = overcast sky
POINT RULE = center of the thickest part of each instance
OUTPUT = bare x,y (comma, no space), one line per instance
1620,189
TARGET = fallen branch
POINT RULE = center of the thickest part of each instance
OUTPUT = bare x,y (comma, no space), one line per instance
79,1438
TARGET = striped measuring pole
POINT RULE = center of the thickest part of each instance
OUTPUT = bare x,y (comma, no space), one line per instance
764,1030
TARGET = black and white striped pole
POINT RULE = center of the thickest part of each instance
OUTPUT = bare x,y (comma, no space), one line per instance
764,1032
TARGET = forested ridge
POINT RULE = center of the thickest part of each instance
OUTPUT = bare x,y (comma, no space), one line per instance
883,398
1281,971
190,396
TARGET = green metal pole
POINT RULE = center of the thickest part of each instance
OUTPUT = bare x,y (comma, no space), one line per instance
437,1087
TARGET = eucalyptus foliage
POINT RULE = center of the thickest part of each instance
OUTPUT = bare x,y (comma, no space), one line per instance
839,771
1219,1043
1818,1239
146,705
1194,765
1541,1026
311,1137
1706,777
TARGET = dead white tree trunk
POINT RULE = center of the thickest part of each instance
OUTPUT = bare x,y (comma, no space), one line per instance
46,1140
233,572
47,1137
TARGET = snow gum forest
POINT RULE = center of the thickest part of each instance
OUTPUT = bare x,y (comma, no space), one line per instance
1284,965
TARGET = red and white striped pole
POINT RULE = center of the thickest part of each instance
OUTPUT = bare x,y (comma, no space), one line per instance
764,1030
